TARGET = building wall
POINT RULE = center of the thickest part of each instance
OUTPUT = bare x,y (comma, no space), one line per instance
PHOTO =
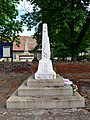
16,55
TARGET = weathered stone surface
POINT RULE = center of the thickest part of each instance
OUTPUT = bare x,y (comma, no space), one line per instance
46,91
45,101
44,97
45,68
31,82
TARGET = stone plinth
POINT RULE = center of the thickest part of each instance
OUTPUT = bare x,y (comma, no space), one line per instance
45,101
45,70
45,94
32,83
45,91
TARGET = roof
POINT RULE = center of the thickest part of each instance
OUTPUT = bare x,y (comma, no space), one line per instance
31,43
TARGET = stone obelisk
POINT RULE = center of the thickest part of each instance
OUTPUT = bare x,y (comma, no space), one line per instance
26,48
45,68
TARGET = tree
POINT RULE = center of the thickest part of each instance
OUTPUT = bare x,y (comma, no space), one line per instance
9,26
68,22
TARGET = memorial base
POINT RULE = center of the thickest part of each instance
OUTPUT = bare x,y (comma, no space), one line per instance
45,70
45,94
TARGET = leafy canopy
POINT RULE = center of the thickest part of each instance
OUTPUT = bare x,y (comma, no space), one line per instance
9,26
68,22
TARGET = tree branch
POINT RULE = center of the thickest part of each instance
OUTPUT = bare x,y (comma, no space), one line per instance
84,29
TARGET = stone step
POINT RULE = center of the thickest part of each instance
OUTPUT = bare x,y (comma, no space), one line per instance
45,101
31,82
23,90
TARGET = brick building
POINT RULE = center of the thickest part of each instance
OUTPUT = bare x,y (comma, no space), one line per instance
18,51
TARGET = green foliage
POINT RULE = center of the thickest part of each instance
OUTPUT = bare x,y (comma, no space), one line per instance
68,22
9,26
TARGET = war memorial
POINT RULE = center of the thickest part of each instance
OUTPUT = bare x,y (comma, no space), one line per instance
45,88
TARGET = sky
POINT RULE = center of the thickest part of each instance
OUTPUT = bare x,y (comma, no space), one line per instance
21,8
